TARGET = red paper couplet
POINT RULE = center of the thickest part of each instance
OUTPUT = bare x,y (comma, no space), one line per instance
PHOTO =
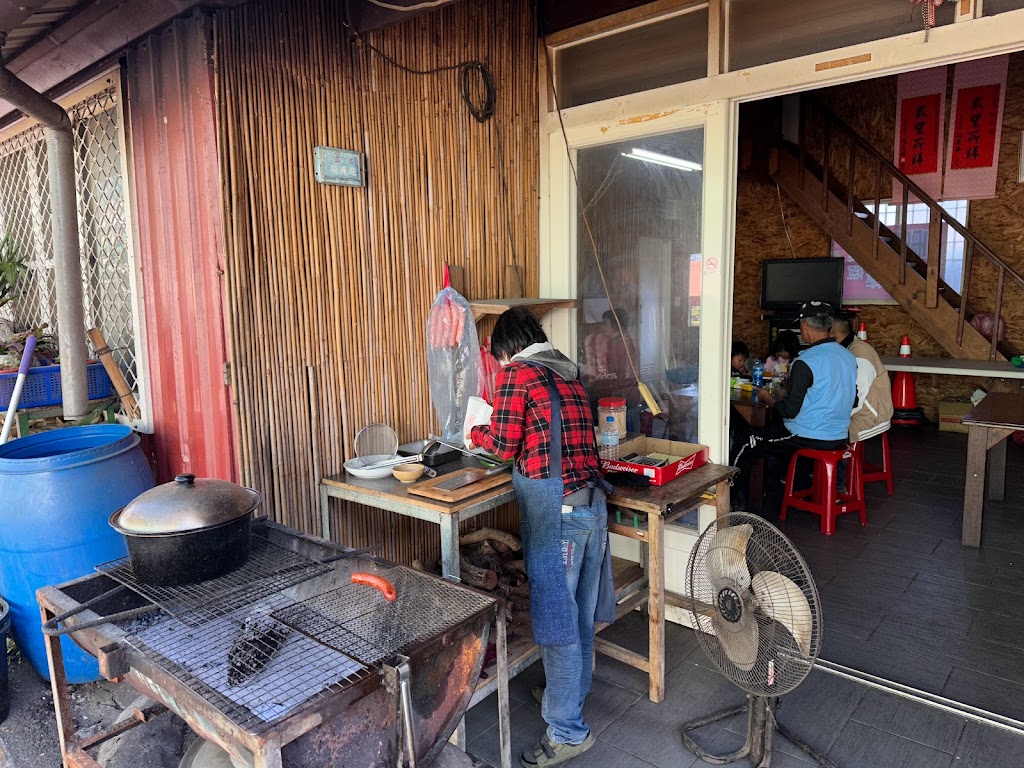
976,126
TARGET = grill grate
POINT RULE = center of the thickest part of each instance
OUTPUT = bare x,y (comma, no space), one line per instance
357,621
270,569
301,673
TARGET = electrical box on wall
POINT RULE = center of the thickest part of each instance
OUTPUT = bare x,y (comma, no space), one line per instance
343,167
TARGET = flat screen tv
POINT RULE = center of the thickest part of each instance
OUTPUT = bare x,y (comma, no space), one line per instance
788,283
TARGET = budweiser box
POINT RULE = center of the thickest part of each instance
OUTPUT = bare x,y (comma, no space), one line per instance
685,457
950,414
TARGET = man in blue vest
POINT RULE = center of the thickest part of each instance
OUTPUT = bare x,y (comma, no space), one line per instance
815,413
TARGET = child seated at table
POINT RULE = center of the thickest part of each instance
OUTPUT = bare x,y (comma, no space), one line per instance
740,353
784,350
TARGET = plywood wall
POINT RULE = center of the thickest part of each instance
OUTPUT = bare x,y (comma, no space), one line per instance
330,286
870,108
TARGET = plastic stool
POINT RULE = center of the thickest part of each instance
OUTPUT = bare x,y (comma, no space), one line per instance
822,498
872,473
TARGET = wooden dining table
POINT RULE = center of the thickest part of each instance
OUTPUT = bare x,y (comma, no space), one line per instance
989,423
757,415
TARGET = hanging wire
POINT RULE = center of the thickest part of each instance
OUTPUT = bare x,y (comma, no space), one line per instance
652,403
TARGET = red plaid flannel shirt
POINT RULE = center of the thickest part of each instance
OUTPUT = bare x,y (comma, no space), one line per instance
520,426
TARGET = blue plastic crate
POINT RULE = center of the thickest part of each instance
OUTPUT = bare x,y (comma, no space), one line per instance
42,386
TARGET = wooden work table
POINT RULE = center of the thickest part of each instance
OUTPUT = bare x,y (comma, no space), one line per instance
946,366
993,420
662,505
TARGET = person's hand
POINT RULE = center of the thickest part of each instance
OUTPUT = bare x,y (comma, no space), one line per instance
765,396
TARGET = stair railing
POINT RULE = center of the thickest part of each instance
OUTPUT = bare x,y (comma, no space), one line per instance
834,127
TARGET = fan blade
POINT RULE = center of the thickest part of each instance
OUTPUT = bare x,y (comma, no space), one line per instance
727,558
739,639
782,600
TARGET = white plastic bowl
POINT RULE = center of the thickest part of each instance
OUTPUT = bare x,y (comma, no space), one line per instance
355,467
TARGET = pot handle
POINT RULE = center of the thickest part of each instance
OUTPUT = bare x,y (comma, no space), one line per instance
186,479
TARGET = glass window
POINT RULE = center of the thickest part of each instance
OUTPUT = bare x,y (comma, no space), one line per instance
917,241
673,50
643,202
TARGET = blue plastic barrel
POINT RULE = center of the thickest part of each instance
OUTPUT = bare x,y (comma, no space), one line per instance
5,690
57,490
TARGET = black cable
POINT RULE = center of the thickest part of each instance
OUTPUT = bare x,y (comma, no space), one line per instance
483,111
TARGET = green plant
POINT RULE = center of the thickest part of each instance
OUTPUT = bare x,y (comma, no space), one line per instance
12,267
12,347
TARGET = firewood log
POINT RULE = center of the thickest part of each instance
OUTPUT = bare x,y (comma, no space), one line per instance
515,566
480,578
523,590
493,535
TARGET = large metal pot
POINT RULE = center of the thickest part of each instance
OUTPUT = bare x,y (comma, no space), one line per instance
187,531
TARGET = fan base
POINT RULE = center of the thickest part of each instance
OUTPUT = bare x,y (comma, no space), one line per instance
761,727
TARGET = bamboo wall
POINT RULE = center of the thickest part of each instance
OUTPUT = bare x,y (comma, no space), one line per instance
870,108
329,286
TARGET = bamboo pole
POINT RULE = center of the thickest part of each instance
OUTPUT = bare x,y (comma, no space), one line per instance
124,392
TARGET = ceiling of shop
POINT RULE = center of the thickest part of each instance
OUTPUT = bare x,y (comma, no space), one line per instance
26,21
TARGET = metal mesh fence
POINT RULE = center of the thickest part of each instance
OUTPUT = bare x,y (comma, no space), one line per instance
103,225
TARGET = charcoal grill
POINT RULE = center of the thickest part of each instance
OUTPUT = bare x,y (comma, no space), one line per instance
357,680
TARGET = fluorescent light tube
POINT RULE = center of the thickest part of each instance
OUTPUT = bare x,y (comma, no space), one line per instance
660,159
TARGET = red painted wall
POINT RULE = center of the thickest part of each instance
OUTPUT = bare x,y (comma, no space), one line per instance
180,239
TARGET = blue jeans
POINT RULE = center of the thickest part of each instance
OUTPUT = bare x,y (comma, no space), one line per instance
569,668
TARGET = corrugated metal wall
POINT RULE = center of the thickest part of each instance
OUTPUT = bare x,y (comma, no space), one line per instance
177,192
329,286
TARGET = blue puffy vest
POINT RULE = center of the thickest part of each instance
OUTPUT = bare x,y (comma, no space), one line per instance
825,413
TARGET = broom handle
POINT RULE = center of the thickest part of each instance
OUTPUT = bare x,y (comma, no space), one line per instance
19,383
124,392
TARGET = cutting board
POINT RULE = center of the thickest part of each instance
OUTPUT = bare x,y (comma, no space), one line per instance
430,489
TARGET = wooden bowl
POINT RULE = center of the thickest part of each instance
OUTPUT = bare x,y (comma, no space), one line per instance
407,473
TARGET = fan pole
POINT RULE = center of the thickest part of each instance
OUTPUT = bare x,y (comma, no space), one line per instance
762,727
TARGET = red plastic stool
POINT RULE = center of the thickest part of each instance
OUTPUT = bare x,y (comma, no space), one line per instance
822,498
872,473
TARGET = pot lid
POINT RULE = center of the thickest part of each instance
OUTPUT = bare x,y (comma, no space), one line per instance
187,504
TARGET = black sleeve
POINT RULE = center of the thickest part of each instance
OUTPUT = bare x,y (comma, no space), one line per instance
800,380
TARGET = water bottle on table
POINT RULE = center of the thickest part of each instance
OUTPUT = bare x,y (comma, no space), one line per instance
609,439
758,373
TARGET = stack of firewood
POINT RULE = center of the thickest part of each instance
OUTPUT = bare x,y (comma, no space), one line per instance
492,560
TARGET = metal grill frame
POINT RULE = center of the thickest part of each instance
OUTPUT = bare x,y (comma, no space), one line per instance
303,674
270,569
109,278
358,621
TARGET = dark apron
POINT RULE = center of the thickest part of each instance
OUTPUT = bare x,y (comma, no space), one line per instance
540,508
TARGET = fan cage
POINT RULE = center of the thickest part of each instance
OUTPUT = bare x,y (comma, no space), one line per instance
780,664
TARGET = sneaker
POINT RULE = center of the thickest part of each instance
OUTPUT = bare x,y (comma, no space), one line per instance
538,693
548,752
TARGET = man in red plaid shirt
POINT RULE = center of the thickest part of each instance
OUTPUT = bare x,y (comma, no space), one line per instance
542,420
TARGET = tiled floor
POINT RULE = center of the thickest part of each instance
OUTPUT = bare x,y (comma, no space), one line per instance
902,599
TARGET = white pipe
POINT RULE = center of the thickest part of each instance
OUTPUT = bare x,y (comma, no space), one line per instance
67,259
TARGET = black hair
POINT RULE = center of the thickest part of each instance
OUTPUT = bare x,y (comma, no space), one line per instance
623,318
516,329
845,320
786,341
739,348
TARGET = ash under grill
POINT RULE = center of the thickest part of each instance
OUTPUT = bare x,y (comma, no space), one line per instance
300,672
269,570
357,621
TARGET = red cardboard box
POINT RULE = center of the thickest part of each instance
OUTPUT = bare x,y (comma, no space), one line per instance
688,457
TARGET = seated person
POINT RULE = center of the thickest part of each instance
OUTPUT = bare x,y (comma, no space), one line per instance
874,407
784,350
608,353
740,353
816,410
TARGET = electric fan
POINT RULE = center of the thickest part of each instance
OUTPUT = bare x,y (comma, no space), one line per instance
757,616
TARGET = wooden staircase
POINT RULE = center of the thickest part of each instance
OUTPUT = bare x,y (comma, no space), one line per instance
821,174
